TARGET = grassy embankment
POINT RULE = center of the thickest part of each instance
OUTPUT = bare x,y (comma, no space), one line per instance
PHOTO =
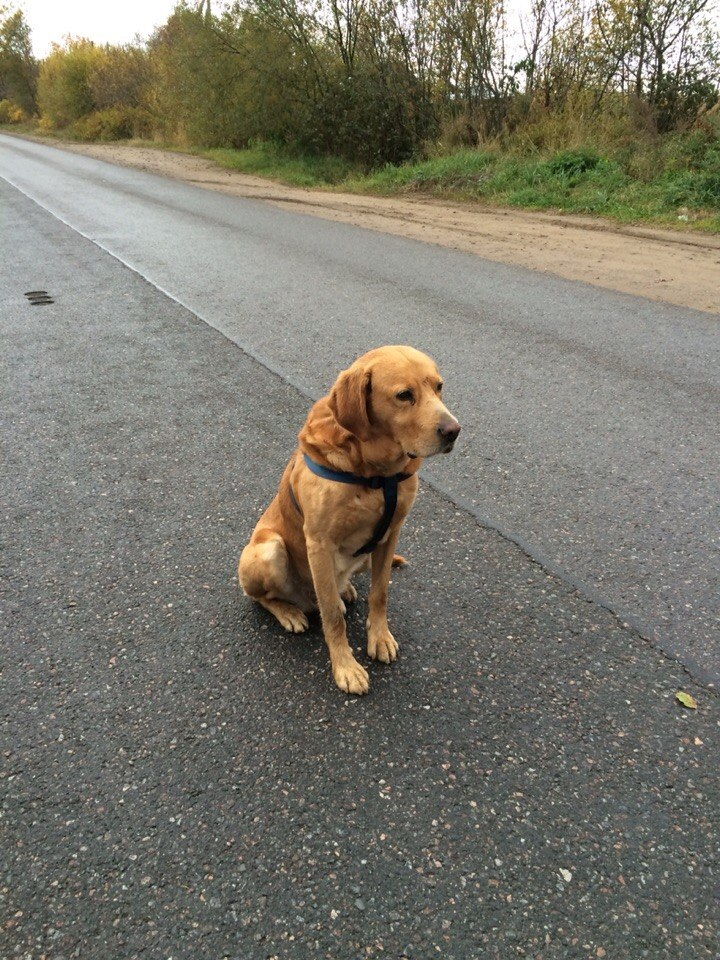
675,182
678,184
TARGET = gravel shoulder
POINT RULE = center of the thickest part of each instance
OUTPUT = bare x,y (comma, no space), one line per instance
662,265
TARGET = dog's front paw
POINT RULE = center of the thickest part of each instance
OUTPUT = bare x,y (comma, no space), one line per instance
351,677
382,645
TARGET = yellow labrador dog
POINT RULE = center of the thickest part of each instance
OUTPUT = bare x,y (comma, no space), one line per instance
343,498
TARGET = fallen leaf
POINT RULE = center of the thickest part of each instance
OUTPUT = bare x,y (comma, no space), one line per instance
686,700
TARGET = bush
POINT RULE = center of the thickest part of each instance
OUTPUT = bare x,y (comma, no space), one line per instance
573,163
121,77
97,92
64,82
692,190
115,123
10,112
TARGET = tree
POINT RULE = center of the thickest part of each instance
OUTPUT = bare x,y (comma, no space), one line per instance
665,52
64,93
120,77
18,67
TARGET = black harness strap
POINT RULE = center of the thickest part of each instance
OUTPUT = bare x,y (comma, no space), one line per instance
294,499
388,485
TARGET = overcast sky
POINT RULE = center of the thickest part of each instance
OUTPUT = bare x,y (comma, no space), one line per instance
104,21
118,21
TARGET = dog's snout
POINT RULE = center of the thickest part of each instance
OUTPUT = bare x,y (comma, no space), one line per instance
449,430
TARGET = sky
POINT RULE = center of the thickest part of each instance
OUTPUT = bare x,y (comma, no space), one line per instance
118,21
103,21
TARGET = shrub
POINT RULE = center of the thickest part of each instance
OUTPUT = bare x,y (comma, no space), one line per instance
115,123
693,190
572,163
121,77
64,82
10,112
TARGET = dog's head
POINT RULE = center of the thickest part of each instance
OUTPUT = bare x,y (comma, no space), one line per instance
395,392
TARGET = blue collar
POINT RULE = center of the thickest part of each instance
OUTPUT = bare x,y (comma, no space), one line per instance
388,485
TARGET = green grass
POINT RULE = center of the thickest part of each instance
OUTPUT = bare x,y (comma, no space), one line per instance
680,194
675,183
682,189
26,126
267,160
462,173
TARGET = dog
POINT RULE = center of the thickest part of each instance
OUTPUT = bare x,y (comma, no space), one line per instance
343,499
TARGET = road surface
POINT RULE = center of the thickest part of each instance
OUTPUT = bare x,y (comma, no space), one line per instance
183,780
590,418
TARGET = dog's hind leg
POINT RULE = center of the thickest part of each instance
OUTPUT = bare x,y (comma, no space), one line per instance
287,614
264,574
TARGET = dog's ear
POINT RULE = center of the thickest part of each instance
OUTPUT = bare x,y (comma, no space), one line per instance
350,401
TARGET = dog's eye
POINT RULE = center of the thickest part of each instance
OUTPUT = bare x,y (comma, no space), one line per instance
405,395
439,387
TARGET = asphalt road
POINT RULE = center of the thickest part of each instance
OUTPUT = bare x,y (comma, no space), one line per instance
589,418
180,779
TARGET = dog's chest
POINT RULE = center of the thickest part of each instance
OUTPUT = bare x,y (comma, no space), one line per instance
366,510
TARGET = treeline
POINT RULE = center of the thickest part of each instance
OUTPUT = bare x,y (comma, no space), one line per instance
377,81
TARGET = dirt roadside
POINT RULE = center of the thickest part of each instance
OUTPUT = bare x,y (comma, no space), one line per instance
679,268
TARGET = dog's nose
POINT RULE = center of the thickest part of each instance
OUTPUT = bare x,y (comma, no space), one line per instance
449,430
